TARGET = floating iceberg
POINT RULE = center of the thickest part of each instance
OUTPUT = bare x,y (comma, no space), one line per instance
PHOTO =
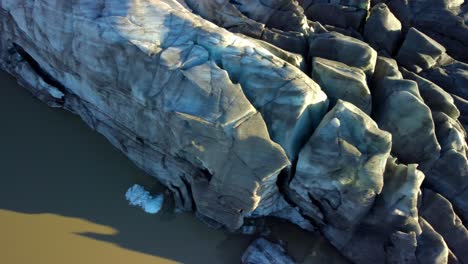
138,196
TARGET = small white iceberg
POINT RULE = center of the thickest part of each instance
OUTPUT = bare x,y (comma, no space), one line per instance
138,196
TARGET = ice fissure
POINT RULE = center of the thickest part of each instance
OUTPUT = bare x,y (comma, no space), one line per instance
344,117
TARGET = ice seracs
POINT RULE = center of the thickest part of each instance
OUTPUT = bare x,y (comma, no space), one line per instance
225,102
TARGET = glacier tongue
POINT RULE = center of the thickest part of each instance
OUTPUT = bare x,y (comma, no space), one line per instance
222,102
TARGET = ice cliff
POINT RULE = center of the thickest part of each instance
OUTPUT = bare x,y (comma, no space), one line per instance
337,111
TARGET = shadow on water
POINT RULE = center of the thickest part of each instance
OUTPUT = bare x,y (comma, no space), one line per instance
51,162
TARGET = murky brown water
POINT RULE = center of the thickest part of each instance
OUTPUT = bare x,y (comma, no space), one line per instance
62,189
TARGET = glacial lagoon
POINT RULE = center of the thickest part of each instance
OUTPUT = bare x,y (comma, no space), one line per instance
62,200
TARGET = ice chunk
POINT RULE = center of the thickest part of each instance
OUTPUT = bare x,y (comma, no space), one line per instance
138,196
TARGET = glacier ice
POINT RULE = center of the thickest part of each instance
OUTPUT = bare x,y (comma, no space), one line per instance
138,196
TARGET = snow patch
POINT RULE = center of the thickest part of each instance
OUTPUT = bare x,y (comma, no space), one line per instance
138,196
